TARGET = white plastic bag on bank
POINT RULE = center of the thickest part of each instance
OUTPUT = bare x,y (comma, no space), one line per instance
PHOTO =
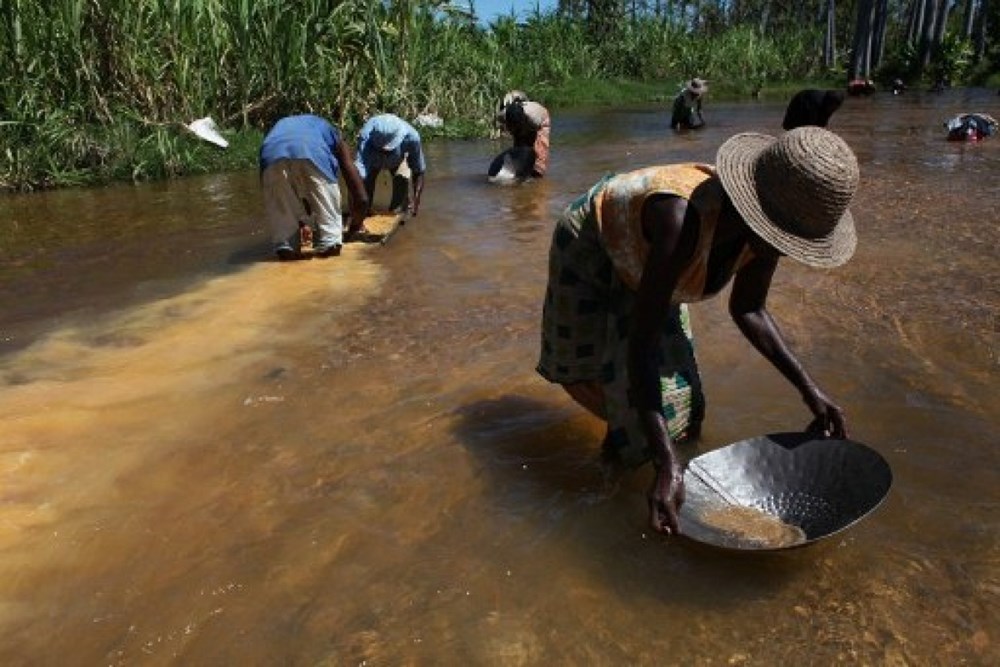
206,129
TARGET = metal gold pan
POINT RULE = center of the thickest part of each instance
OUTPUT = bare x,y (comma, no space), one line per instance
814,487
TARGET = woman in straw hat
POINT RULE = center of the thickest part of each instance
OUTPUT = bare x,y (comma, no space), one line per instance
628,255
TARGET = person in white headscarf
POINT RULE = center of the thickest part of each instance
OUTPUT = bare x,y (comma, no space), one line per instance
529,123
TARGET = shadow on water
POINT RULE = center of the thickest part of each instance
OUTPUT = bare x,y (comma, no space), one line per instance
538,464
260,252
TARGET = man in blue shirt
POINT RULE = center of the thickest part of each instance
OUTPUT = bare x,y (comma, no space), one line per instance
300,161
384,142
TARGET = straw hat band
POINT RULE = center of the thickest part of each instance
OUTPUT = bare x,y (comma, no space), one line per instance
805,190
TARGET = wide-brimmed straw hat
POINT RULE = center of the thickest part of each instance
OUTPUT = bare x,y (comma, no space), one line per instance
794,191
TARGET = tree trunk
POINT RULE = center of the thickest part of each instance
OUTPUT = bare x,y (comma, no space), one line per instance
927,32
878,36
829,45
970,14
861,50
916,24
981,31
941,23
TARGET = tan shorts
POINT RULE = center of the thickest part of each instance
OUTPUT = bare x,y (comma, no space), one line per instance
296,191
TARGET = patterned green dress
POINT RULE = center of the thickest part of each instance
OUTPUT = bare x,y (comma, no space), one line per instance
595,263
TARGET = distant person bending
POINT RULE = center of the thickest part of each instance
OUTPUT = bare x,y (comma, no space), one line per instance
812,107
529,124
971,127
686,113
387,142
300,160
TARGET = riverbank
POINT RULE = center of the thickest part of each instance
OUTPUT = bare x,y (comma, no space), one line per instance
133,150
99,92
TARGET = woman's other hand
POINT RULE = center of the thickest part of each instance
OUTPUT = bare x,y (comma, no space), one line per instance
665,500
829,420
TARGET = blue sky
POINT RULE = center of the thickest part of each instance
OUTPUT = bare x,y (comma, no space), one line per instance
490,9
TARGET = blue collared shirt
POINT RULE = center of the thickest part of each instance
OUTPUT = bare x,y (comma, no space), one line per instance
304,137
384,140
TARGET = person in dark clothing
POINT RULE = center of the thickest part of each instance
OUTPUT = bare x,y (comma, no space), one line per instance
686,112
812,107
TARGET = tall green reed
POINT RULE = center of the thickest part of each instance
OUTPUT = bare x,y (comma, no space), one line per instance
97,89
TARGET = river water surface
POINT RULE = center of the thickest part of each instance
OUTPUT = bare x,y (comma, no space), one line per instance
209,458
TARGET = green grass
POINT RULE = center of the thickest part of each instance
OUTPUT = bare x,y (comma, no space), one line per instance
584,93
94,91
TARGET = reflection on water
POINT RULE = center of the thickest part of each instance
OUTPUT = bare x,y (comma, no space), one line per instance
212,458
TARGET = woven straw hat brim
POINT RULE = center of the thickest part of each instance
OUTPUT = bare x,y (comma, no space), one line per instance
735,164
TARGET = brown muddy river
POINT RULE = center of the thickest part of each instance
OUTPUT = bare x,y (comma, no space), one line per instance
210,458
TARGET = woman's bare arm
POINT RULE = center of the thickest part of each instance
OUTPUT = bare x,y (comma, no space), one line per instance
671,243
748,308
355,186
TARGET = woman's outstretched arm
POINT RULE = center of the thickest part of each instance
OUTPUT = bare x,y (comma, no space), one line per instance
748,308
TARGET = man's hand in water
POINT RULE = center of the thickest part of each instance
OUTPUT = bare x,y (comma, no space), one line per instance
665,500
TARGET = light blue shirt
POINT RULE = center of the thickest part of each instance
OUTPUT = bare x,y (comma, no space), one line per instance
382,143
303,137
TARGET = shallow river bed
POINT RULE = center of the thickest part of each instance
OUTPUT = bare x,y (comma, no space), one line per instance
209,458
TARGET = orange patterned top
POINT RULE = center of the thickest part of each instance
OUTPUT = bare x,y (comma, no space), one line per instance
618,209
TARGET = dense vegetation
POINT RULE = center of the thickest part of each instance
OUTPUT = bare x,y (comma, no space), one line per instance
96,90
